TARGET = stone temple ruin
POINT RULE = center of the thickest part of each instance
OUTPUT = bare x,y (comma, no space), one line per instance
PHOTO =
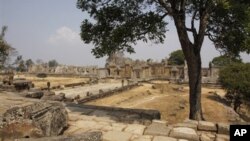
63,113
131,69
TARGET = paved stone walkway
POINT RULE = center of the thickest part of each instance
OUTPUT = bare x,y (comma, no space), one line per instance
158,130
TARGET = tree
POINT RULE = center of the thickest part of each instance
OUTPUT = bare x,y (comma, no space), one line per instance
5,49
225,60
118,25
39,61
20,64
176,58
53,63
29,63
235,79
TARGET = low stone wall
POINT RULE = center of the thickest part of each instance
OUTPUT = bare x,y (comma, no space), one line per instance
107,93
126,115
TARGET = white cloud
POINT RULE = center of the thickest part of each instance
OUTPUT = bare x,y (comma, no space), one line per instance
64,35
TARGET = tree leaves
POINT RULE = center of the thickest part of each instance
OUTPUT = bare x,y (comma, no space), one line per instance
118,25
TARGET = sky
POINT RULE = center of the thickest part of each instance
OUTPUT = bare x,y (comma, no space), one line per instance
49,29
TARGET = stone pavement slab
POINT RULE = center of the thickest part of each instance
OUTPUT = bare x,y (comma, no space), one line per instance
207,126
189,125
220,137
141,138
157,130
163,138
184,133
116,136
135,128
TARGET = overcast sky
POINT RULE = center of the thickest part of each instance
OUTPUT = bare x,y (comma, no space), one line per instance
49,29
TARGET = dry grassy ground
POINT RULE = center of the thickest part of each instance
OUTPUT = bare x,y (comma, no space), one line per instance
171,100
54,81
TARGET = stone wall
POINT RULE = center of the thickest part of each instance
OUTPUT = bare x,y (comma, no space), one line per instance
107,93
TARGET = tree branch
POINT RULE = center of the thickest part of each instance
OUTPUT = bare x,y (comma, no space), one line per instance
165,5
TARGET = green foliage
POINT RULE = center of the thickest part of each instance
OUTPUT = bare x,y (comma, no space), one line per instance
224,60
117,25
235,79
5,48
229,27
53,63
29,63
176,58
20,64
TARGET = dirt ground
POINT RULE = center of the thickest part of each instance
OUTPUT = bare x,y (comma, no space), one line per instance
172,101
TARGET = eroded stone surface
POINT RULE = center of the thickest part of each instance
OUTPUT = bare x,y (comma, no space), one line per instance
135,128
223,128
87,136
207,126
141,138
220,137
163,138
189,125
35,120
116,136
157,130
184,133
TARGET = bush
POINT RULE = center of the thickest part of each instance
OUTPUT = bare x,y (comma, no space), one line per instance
235,79
41,75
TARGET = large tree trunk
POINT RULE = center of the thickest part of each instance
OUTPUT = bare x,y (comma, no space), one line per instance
193,58
194,73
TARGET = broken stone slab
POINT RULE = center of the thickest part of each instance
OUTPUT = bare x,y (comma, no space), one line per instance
34,94
207,126
35,120
49,93
184,133
157,130
87,136
59,97
163,138
223,128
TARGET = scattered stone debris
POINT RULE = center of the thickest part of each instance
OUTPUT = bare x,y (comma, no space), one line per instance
36,120
59,97
34,93
86,136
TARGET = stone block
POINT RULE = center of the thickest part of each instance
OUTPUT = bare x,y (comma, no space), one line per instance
162,138
163,122
223,128
135,129
157,130
35,120
184,133
207,137
220,137
207,126
116,136
191,121
189,125
141,138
